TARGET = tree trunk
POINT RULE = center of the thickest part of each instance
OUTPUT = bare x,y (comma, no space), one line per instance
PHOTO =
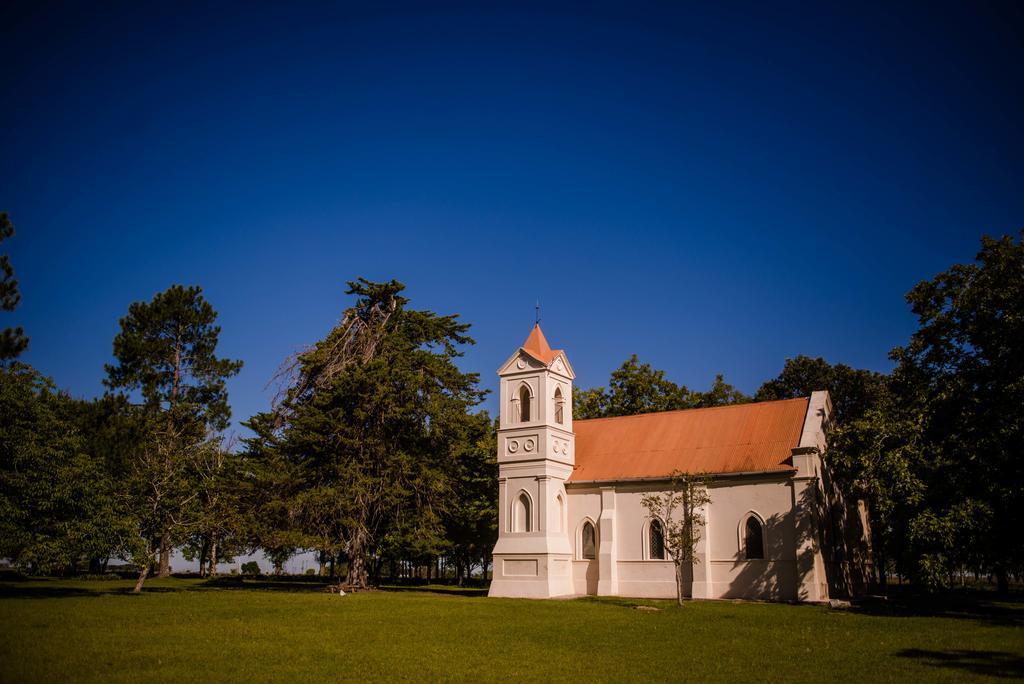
204,556
378,567
213,559
880,569
679,584
356,576
165,555
1002,581
142,577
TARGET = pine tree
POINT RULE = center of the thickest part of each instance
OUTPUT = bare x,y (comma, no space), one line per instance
166,351
12,340
370,423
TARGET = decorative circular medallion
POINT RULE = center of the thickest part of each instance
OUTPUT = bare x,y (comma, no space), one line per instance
520,364
529,445
513,446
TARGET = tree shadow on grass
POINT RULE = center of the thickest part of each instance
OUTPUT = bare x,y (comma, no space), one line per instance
44,589
627,602
263,583
435,589
36,591
987,663
980,606
49,592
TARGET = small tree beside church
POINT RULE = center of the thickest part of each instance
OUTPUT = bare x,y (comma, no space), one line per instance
681,512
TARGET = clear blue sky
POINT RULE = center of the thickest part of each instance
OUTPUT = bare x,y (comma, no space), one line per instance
712,189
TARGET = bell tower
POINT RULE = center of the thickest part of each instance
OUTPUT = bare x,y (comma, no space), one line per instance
536,454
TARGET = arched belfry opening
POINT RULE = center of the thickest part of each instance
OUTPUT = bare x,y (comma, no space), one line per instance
559,406
524,404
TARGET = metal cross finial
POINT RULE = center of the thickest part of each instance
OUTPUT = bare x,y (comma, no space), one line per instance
538,312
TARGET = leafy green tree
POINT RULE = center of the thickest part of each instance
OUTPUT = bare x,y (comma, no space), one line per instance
57,502
471,511
680,510
879,456
281,507
112,430
159,489
166,350
589,403
636,387
870,450
720,394
937,451
224,508
12,340
633,388
370,419
853,391
964,369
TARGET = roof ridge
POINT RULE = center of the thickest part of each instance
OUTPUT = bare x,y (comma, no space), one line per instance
692,410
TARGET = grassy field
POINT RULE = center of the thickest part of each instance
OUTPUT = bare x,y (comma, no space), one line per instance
180,630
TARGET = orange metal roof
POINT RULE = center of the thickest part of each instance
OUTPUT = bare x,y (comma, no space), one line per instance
723,439
536,345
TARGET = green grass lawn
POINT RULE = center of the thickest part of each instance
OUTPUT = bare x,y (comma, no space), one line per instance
180,630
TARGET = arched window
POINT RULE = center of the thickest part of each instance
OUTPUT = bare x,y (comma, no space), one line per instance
559,407
524,403
753,539
656,539
589,541
522,515
560,511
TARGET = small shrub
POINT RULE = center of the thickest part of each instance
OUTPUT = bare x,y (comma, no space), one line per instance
251,569
310,571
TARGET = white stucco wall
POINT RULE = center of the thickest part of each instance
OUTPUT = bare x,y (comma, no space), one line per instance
731,575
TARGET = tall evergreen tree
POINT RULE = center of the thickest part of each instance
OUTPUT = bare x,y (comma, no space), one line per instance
12,340
371,421
166,350
471,511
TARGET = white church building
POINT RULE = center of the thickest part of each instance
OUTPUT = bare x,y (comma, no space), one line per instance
571,521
